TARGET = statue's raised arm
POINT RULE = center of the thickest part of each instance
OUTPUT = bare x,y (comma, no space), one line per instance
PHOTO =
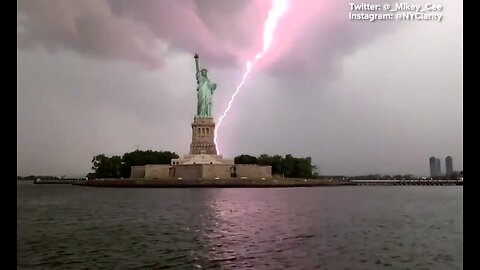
196,63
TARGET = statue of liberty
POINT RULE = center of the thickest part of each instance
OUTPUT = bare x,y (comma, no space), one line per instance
205,90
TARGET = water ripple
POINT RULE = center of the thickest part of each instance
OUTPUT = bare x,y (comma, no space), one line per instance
68,227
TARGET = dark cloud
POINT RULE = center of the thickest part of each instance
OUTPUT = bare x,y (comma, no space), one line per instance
128,30
224,32
88,27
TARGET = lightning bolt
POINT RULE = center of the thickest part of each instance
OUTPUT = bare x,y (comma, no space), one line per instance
278,8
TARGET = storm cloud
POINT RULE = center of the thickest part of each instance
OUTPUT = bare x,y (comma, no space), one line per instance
225,32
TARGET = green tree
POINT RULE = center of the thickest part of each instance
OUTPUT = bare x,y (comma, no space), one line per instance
246,159
275,161
141,158
107,167
289,166
302,167
116,166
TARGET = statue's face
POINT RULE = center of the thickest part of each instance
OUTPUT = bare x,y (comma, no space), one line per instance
204,72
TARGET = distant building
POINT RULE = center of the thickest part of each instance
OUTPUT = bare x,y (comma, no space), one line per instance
433,166
439,168
449,166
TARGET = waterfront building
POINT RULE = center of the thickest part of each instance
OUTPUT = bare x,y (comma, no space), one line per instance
448,166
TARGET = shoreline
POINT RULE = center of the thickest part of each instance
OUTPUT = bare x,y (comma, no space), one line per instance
210,183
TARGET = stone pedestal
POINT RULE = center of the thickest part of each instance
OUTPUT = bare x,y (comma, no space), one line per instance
202,149
202,159
203,133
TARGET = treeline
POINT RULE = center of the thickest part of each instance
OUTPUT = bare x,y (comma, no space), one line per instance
119,166
288,166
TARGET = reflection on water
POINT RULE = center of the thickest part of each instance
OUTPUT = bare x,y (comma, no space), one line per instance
245,229
72,227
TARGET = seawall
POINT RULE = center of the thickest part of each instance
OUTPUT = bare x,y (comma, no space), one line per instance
213,183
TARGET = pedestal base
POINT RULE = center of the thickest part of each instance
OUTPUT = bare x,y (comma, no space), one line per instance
203,134
202,159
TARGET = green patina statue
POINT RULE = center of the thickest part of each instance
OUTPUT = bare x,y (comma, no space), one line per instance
205,90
